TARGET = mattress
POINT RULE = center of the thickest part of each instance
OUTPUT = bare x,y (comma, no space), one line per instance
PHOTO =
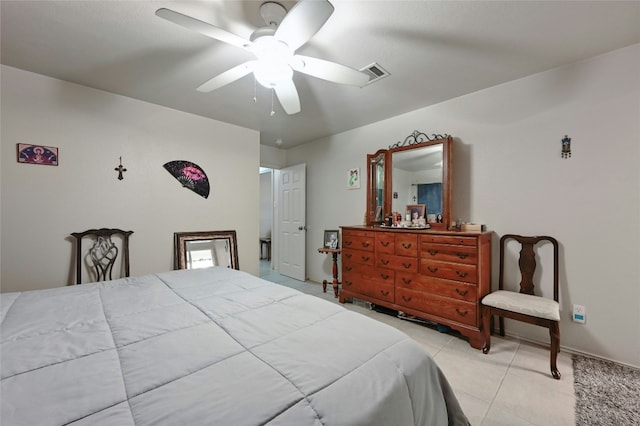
211,346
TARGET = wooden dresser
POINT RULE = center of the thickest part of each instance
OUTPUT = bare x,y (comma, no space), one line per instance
435,275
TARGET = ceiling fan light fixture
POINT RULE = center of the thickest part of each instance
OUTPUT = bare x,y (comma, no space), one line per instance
273,61
269,74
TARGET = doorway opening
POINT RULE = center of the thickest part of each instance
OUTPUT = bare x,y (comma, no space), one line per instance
266,220
282,217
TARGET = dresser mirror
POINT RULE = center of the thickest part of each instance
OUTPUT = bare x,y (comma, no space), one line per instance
376,200
194,250
416,173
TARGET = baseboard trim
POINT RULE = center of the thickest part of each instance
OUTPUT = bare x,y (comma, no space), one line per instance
569,350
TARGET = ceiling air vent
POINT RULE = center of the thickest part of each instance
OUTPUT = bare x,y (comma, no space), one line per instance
375,71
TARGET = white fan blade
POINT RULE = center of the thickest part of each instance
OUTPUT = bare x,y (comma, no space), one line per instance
227,77
202,27
303,21
288,96
329,71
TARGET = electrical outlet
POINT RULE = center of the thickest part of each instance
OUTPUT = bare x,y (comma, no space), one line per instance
579,314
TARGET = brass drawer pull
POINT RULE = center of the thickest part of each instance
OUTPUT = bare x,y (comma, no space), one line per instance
462,313
406,298
462,274
462,292
384,276
384,243
347,242
384,261
348,255
406,245
365,244
347,283
433,252
407,281
348,268
432,270
365,258
462,255
384,293
407,265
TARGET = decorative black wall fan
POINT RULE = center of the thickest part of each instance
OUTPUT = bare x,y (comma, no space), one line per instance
190,175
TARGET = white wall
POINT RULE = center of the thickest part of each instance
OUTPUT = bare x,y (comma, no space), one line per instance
273,158
42,205
266,204
508,174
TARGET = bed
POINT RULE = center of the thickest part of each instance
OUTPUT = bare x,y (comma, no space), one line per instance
211,346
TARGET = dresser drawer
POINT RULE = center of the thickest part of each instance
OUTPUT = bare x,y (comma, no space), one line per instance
454,289
350,256
385,243
357,233
370,288
398,263
407,245
365,241
449,253
449,270
365,273
452,309
449,239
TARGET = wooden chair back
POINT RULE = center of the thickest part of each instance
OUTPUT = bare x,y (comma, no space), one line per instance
103,253
527,262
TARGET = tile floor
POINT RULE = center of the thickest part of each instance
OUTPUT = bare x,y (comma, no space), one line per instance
511,386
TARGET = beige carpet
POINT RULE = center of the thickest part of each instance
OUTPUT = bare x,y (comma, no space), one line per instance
606,393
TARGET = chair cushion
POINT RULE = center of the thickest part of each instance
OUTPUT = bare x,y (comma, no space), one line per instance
527,304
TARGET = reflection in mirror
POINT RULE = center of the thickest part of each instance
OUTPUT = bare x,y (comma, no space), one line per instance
193,250
417,179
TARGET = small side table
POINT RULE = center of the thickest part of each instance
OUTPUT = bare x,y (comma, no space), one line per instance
265,242
336,283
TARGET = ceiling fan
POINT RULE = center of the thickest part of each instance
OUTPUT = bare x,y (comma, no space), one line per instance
274,47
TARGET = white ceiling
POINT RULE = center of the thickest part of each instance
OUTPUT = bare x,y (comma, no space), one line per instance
434,50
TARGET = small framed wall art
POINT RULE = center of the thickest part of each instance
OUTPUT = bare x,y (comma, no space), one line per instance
353,178
37,154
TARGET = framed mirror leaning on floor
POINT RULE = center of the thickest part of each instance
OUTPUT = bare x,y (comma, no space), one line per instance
193,250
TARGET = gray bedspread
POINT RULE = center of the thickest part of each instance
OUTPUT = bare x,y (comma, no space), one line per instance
209,347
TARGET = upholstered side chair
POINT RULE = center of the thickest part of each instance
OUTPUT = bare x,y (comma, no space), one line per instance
525,305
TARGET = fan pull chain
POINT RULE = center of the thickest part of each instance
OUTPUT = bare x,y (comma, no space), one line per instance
255,90
272,96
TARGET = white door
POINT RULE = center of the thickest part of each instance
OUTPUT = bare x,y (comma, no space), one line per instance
292,228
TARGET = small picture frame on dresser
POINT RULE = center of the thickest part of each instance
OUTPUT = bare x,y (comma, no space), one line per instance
331,239
416,211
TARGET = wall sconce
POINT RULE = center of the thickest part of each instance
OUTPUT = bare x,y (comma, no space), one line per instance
566,147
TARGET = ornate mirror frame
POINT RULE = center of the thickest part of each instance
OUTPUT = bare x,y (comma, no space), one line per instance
416,140
377,202
181,241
